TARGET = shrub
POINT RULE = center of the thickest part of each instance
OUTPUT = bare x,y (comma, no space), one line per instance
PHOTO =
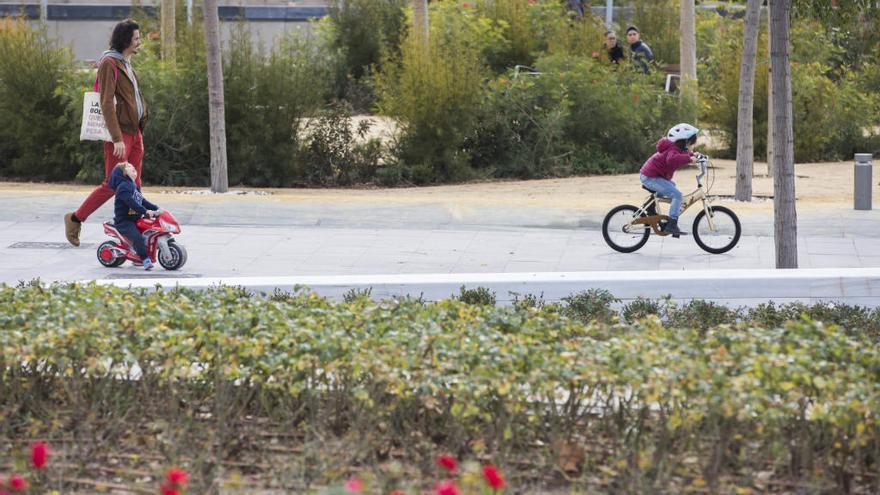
480,296
177,135
577,117
590,305
357,295
824,95
361,31
526,302
267,97
640,308
701,315
515,20
334,154
434,89
131,378
658,23
36,126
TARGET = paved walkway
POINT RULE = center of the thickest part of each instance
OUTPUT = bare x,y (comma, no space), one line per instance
258,236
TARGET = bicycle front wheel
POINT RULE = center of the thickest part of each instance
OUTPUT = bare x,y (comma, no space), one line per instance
723,237
619,231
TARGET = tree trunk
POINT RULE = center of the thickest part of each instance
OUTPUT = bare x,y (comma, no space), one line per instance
769,95
216,113
784,211
745,149
688,52
420,20
168,14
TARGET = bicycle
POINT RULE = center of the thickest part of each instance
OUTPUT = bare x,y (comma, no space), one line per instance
716,229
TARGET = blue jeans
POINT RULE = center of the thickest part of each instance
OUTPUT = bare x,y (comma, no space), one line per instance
131,232
665,189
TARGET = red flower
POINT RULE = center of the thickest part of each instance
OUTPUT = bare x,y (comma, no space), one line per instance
168,489
354,485
17,483
39,454
446,488
493,477
448,463
177,477
395,492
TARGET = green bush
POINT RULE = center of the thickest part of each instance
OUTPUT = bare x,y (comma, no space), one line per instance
267,97
824,94
220,380
360,32
334,154
480,296
434,89
640,308
592,305
36,126
177,136
578,116
659,25
701,315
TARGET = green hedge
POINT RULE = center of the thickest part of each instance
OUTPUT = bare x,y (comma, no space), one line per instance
294,390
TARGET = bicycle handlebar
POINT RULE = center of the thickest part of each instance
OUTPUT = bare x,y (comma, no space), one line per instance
703,163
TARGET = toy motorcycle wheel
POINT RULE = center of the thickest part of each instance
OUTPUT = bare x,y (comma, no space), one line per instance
174,258
106,256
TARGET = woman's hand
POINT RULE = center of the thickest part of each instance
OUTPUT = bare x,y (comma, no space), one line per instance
119,149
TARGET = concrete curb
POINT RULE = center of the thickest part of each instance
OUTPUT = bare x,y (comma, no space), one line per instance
855,286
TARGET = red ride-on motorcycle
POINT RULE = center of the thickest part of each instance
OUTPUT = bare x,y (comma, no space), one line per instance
161,245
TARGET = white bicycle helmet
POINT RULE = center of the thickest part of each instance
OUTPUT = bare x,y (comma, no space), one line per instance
681,131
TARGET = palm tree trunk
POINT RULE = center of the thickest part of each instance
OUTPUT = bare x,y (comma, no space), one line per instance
784,211
688,51
420,20
769,95
216,113
745,149
168,18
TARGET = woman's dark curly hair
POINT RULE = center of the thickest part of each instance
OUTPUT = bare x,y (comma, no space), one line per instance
122,34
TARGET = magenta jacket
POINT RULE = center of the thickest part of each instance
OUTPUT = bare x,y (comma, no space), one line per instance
666,160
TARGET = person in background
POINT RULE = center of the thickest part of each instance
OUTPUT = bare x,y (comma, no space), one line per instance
641,52
612,46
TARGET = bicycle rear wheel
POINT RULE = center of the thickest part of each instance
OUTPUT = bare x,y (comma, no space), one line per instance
620,233
725,235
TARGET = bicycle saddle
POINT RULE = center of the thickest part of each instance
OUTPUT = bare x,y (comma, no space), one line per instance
646,188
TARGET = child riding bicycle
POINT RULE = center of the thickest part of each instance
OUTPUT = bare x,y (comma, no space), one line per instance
656,174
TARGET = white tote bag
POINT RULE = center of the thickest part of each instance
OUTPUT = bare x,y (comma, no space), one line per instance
93,126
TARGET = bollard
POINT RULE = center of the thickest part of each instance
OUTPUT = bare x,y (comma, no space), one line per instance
862,195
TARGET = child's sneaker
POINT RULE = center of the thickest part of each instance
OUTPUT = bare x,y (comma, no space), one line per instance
148,264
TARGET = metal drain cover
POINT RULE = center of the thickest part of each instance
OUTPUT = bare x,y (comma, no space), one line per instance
46,245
